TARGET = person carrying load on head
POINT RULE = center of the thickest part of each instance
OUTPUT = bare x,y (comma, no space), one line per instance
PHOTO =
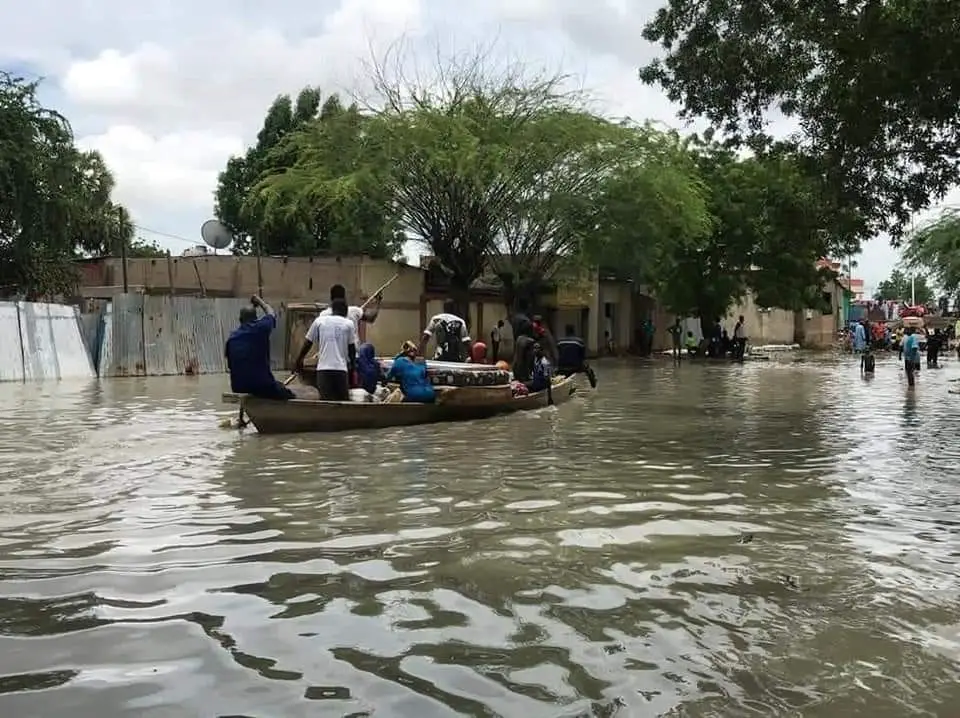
449,331
409,370
572,357
247,352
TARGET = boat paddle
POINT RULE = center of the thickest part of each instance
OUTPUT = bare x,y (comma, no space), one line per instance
362,306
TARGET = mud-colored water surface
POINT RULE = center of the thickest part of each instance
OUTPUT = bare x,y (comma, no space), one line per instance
771,539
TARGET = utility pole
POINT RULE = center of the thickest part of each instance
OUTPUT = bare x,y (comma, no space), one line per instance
123,248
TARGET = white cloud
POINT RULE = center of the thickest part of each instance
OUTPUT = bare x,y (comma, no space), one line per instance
168,91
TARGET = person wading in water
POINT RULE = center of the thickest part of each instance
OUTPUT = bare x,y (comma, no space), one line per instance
247,352
911,356
449,331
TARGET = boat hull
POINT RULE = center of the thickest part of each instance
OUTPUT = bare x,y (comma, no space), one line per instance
271,416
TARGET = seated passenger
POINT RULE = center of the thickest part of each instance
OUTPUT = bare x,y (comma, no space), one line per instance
410,371
478,353
541,375
247,352
368,368
693,346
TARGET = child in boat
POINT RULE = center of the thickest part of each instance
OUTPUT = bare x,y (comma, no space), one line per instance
542,375
410,372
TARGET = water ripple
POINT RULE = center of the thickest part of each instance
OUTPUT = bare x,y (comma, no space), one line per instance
771,539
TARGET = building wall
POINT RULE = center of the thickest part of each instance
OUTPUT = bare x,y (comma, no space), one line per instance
764,326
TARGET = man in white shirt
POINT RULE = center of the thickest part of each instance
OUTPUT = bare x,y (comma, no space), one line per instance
450,333
335,337
354,314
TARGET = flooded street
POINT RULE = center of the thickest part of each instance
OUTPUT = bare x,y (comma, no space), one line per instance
771,539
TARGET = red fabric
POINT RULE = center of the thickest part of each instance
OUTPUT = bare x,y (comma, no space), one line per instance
478,353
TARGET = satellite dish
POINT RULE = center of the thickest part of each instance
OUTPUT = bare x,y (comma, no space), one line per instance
216,235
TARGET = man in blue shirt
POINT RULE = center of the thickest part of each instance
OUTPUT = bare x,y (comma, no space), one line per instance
911,355
572,357
248,354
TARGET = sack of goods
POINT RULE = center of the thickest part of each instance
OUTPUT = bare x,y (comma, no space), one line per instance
443,373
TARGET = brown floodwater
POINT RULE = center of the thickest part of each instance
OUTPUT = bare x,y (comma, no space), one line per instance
775,539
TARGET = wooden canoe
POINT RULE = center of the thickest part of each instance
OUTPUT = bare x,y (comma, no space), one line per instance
272,416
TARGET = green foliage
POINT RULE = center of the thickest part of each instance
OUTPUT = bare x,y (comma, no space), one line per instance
717,226
901,287
294,191
934,249
145,250
54,199
874,86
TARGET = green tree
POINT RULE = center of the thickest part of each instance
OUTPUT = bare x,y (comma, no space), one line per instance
873,86
477,159
321,191
265,197
54,199
146,250
901,286
934,249
766,230
243,172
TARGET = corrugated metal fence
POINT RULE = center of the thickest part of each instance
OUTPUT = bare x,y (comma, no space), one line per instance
42,341
131,335
162,335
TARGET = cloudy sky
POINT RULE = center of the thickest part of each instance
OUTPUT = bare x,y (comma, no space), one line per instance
167,91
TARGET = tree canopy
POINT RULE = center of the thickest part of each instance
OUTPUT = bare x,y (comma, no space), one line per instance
934,249
54,198
756,224
500,171
900,286
297,191
873,85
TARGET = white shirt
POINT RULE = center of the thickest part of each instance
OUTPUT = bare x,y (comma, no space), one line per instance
495,335
332,335
739,331
354,314
437,321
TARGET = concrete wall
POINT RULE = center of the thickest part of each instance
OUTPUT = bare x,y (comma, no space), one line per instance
42,342
764,326
291,279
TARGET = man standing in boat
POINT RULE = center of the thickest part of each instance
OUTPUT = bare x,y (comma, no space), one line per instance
335,337
247,352
572,357
355,314
450,333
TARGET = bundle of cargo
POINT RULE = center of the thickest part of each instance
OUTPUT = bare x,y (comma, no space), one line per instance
443,373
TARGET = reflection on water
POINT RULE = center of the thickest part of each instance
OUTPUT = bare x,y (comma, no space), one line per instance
703,541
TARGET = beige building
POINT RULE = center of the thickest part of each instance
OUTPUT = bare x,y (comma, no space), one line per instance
597,307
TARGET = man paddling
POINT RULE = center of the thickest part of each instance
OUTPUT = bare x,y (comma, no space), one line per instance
449,331
247,352
355,314
572,357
